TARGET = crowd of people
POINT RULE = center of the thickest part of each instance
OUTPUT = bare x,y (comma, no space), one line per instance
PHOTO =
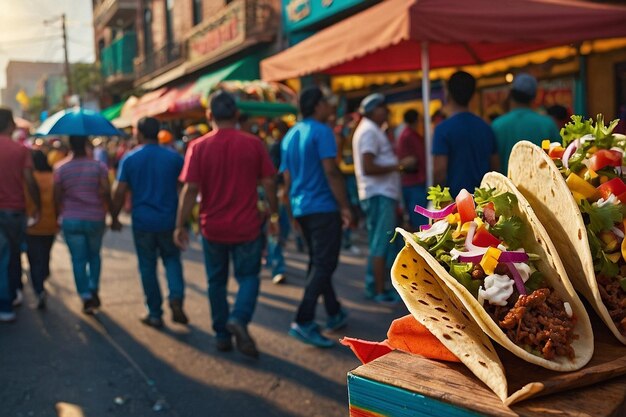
320,178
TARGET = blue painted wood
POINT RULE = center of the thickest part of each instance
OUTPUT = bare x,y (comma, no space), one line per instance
397,402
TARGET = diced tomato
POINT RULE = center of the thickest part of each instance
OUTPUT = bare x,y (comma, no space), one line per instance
484,239
622,198
605,157
615,186
465,206
556,152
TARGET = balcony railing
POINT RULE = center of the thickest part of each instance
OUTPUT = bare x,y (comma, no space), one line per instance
160,60
122,12
116,60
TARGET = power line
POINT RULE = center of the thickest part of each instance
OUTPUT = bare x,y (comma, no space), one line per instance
18,42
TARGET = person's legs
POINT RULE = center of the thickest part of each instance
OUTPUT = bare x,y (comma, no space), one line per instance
370,208
6,298
247,264
38,252
415,195
216,256
381,223
76,240
170,254
95,233
146,247
324,236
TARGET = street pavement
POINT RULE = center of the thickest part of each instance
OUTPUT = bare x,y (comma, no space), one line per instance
59,362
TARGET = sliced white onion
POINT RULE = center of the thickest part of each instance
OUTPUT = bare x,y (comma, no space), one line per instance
569,151
617,232
436,229
588,138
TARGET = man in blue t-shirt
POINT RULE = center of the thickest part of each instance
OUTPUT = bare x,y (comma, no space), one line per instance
464,146
318,202
151,173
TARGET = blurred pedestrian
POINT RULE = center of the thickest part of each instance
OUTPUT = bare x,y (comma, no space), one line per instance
275,259
522,122
319,204
560,115
224,167
464,146
411,143
378,178
17,170
40,236
82,194
99,151
150,172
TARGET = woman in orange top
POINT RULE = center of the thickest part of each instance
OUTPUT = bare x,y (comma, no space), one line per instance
40,237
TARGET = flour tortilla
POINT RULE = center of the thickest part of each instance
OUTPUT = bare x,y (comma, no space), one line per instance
433,304
535,241
538,178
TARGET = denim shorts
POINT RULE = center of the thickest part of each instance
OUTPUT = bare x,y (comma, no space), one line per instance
381,221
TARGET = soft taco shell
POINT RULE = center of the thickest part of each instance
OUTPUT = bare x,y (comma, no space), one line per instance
535,241
538,178
433,305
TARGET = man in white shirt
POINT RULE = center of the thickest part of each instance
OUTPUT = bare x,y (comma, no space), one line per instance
377,171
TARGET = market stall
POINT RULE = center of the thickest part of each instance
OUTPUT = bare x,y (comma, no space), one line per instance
403,35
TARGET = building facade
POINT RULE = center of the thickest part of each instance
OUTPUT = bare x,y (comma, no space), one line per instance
30,77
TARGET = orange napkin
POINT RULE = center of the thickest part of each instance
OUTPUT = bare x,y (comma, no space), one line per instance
404,334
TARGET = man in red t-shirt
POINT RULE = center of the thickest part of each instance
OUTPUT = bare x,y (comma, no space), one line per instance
224,167
411,144
17,170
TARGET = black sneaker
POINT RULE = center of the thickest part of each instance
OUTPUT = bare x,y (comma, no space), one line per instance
155,322
224,345
95,298
245,343
89,306
178,315
41,301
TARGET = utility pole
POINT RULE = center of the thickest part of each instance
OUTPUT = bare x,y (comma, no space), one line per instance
68,76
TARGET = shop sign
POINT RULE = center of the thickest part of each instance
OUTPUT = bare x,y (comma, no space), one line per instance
299,14
224,31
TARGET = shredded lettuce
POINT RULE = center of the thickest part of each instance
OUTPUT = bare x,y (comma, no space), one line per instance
535,282
601,264
576,129
461,271
503,203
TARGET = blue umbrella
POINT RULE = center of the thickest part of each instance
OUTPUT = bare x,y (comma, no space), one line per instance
77,122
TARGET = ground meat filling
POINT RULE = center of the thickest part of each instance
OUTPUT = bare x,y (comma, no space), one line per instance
538,323
614,298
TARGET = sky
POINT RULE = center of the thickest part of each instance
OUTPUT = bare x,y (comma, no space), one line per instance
25,37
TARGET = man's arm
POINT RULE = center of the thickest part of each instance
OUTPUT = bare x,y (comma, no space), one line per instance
119,193
440,169
371,168
186,202
338,188
105,192
33,190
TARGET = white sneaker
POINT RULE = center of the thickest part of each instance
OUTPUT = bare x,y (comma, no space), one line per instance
354,250
278,279
19,298
7,317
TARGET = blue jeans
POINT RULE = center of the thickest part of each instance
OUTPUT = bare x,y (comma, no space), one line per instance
247,265
380,213
275,258
12,227
412,195
149,246
84,240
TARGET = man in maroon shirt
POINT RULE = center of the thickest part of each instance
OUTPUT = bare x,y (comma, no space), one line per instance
17,170
411,143
224,167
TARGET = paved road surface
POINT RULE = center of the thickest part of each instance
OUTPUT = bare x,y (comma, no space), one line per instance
62,363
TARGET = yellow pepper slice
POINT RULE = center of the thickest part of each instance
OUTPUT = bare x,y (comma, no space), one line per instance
545,144
614,257
624,249
490,260
576,183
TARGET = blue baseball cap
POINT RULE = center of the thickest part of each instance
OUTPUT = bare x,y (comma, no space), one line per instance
370,102
525,83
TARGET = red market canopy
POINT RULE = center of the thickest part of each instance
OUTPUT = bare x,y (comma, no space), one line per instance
387,37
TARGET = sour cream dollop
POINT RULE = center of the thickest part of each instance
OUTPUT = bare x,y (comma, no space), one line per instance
498,289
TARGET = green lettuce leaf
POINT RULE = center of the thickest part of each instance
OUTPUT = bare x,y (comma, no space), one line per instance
439,196
503,203
510,230
601,218
575,129
461,271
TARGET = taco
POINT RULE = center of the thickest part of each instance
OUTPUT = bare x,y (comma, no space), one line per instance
578,192
495,259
